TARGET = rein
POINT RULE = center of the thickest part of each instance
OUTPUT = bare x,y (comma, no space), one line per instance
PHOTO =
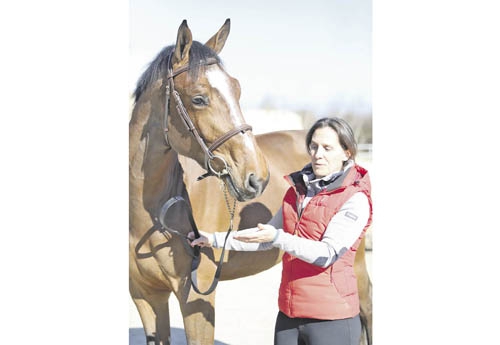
196,250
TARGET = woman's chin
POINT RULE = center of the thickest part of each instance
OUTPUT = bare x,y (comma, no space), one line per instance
319,172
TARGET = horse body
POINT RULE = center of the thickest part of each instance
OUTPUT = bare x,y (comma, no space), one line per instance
165,164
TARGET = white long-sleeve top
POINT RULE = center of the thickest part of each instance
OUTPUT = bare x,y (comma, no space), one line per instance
342,231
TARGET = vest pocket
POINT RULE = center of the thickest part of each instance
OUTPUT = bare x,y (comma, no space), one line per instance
344,281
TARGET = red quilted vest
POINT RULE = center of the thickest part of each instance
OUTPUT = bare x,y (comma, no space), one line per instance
311,291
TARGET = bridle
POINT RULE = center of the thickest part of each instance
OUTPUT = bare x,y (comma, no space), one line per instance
181,109
209,158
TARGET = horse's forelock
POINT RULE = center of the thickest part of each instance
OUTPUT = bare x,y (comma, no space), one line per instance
198,54
158,67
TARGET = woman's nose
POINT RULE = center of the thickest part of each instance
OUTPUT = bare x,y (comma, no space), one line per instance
319,152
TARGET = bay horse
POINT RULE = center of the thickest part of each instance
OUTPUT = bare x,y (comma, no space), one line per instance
177,132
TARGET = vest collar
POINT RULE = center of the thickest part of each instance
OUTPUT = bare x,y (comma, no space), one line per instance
306,183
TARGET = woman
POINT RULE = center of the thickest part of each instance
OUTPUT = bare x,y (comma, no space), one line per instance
324,216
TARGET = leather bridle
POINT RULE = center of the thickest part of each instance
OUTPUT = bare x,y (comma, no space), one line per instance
181,109
209,158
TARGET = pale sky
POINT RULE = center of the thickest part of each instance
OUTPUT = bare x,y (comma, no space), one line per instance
311,55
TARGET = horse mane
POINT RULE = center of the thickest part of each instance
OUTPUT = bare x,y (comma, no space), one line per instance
158,67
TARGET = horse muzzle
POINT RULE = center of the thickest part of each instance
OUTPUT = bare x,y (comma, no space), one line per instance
251,187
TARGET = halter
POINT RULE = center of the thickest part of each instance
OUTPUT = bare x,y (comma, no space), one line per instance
208,150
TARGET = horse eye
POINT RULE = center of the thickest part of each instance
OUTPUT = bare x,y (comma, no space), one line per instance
200,100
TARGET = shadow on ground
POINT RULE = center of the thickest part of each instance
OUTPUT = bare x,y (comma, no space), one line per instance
136,337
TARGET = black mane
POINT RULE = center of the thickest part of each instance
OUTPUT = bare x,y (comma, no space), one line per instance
158,67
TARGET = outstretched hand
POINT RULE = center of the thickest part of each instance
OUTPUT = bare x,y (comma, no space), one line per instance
205,239
266,233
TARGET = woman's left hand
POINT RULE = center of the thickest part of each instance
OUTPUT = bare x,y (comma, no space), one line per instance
205,239
266,233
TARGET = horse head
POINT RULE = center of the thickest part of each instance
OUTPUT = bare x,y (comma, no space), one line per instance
203,119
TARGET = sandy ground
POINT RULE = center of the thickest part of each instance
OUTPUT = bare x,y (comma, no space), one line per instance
246,309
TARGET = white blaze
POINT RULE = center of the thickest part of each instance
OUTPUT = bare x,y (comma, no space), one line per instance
220,81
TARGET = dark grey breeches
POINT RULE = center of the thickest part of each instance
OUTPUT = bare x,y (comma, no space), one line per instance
302,331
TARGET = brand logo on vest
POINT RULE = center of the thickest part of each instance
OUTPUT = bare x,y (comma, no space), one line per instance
351,215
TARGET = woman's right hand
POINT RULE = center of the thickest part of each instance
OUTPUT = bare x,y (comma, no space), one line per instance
205,239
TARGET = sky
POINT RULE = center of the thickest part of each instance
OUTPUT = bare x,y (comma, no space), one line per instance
295,55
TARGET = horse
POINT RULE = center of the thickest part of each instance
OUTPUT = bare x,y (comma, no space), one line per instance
186,122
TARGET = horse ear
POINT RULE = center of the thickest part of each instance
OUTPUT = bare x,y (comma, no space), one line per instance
184,41
216,43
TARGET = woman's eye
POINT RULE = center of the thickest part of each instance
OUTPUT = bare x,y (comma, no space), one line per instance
200,100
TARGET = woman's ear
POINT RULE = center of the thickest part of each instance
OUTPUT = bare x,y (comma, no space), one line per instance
347,155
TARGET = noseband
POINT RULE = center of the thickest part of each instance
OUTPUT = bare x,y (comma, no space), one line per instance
208,150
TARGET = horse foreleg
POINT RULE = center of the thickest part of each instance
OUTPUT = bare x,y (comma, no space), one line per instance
198,313
154,312
148,319
155,318
162,318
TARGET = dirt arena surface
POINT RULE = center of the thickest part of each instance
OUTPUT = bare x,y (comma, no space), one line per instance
245,311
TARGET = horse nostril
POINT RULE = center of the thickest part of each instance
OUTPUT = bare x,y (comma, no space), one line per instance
254,183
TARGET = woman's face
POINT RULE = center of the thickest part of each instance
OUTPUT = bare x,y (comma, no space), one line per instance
327,155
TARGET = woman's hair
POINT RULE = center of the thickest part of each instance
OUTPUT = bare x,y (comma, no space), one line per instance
344,131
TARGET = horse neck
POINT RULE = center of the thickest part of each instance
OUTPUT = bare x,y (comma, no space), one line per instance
155,172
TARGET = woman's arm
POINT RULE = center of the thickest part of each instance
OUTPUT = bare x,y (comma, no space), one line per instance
342,231
238,240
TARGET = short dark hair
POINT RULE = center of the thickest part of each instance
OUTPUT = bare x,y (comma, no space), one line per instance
343,129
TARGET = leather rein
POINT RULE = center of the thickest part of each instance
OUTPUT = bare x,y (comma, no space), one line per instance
209,158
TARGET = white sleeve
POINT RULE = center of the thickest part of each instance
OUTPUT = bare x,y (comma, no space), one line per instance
342,231
232,244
